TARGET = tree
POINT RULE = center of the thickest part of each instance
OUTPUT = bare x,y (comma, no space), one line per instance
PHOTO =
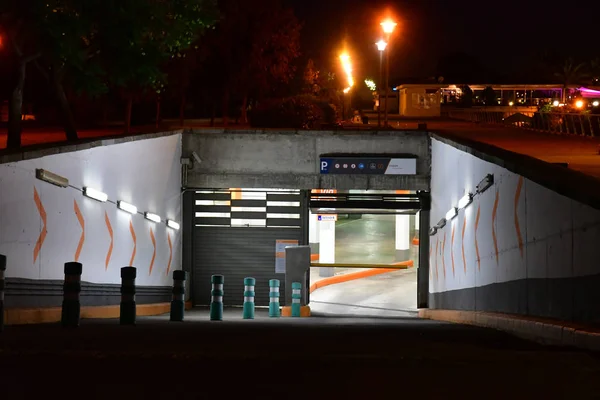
570,73
251,50
135,38
36,29
311,78
466,99
489,96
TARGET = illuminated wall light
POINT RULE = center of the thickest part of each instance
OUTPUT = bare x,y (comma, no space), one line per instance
95,194
485,183
465,200
596,103
453,212
130,208
152,217
172,224
49,177
556,103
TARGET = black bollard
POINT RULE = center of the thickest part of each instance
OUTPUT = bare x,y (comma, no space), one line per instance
71,306
178,300
2,286
127,314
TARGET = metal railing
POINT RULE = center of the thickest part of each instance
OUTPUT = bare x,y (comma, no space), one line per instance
581,124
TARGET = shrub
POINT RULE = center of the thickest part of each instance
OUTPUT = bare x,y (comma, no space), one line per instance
297,112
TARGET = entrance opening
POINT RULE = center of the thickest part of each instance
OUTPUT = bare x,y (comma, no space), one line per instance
365,253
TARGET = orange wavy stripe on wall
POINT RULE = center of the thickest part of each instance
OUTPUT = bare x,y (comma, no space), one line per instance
476,245
437,273
170,253
443,256
132,231
42,237
153,251
494,215
110,233
517,225
430,262
452,250
463,244
82,223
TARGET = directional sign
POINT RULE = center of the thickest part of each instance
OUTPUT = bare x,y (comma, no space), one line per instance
327,217
369,165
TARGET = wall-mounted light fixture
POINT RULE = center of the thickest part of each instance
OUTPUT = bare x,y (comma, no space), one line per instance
465,200
49,177
453,212
130,208
152,217
172,224
95,194
485,183
441,223
432,231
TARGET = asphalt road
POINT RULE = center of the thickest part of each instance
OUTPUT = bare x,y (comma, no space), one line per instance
308,358
393,294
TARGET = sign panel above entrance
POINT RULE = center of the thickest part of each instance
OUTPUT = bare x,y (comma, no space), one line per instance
368,165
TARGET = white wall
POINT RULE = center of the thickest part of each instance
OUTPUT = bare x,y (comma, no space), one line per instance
145,173
560,237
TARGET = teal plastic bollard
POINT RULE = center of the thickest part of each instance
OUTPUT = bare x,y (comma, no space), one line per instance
274,311
249,284
216,303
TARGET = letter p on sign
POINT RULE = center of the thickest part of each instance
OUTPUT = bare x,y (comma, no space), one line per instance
324,165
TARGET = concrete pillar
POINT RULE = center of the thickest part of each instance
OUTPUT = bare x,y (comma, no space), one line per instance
326,247
403,238
415,235
187,239
313,233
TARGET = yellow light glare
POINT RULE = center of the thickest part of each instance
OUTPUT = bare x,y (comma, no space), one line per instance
388,26
347,66
381,45
579,104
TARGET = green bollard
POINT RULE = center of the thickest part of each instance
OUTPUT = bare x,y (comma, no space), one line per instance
249,298
178,299
127,315
71,307
274,310
296,297
216,303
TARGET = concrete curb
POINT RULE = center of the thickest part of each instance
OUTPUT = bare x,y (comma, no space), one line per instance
538,330
23,316
286,311
355,275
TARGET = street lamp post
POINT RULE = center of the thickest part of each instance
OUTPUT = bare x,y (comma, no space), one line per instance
388,27
381,45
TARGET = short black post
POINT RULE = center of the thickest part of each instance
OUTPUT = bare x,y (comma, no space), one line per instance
127,314
178,300
71,307
2,286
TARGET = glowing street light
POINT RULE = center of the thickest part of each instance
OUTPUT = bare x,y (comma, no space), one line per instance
347,66
579,104
381,45
596,103
388,27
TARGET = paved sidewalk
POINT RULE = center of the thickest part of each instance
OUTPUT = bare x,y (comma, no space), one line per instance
316,358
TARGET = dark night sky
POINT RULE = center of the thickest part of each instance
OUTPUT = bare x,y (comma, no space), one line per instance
502,34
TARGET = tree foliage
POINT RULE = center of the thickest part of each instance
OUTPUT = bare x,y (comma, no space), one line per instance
251,50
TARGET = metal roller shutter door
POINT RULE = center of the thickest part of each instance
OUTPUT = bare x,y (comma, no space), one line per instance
237,252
